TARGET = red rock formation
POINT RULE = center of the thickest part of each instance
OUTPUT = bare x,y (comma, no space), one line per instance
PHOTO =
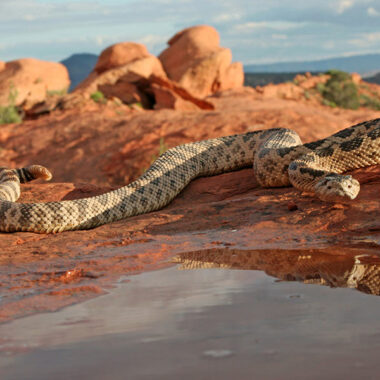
130,72
195,60
110,145
46,272
170,95
33,80
120,54
356,78
133,77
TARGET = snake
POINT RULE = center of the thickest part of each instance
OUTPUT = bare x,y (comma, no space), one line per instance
278,156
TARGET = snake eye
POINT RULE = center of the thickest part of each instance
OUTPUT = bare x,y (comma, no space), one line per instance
328,187
349,186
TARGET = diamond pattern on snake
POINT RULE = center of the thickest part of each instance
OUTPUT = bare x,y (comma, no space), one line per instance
278,157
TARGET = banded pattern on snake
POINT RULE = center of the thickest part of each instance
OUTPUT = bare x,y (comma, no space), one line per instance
278,156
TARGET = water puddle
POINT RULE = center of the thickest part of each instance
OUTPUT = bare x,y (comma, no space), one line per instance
218,313
359,271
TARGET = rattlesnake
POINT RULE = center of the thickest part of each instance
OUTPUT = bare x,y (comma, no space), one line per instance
279,158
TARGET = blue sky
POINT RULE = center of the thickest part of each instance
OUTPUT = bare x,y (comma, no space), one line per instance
256,31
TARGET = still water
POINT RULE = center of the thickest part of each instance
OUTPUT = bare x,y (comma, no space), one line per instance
217,314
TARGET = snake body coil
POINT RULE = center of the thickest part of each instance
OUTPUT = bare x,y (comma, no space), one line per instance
278,155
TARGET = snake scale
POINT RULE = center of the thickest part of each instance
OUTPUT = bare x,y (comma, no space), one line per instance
278,156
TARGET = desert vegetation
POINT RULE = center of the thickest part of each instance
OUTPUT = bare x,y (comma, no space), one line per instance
10,113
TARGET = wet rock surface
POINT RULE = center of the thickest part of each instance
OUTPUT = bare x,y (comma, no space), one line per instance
209,322
91,148
47,272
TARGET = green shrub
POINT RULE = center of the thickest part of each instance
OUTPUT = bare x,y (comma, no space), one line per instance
326,102
56,92
368,101
136,104
98,97
340,90
320,87
10,114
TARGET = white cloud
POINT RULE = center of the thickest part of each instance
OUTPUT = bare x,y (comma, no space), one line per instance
279,36
276,25
29,17
277,29
343,5
366,39
99,40
151,39
373,12
225,17
153,42
329,45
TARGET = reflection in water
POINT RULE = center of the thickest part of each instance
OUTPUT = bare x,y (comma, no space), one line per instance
361,272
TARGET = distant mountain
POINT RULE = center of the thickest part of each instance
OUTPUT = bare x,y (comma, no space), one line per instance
361,64
79,67
262,79
373,79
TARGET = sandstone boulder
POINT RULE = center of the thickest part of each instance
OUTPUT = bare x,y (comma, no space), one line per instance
169,95
195,60
31,81
287,91
356,78
309,81
130,72
120,54
143,80
121,81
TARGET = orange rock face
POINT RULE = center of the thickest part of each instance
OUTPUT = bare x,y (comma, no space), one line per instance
138,81
47,272
110,144
195,60
170,95
130,72
120,54
356,78
32,80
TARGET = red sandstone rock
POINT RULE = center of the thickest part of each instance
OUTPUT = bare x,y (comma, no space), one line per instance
356,78
308,82
120,54
130,72
195,60
104,144
194,42
47,272
110,145
33,80
283,91
169,95
136,81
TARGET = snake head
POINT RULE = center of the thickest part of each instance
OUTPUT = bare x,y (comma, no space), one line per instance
337,188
